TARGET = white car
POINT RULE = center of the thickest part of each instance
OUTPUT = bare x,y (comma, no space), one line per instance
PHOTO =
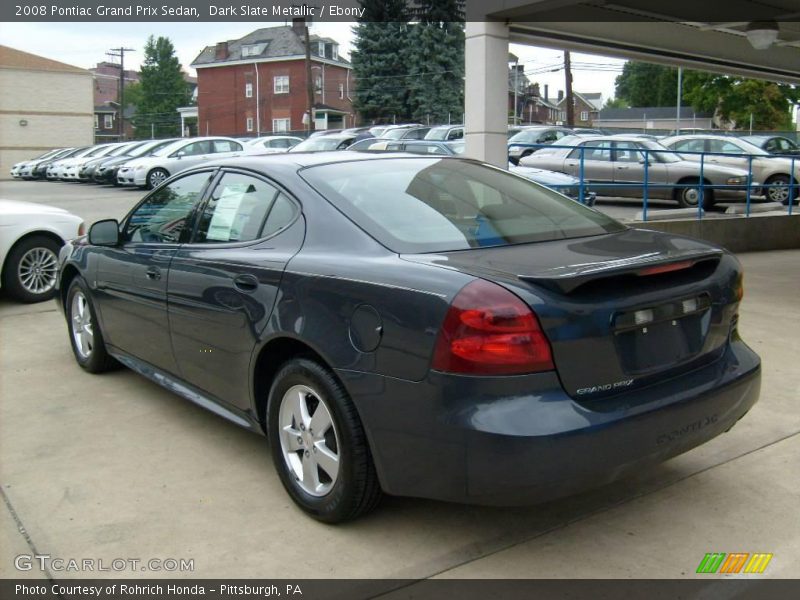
151,171
271,144
56,169
18,170
30,237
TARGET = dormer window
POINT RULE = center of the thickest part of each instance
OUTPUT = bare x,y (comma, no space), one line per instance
253,49
321,49
335,51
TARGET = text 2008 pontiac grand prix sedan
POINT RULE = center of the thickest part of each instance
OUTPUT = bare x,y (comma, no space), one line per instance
422,326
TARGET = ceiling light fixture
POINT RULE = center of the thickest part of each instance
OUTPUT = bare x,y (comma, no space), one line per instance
762,34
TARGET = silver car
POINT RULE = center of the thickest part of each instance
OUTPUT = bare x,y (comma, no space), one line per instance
150,171
271,144
617,164
769,169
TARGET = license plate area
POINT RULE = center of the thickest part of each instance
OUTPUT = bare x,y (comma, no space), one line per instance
662,336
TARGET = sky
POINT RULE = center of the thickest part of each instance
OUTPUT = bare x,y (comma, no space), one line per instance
86,44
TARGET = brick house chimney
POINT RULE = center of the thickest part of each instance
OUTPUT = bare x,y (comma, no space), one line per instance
546,92
221,51
560,95
535,90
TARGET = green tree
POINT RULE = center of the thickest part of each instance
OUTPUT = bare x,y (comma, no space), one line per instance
735,99
616,103
647,84
435,60
162,89
379,48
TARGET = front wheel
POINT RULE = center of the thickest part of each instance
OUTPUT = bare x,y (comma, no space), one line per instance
31,269
156,177
318,444
85,336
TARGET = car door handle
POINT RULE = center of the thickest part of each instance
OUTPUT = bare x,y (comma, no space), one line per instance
245,283
153,273
622,167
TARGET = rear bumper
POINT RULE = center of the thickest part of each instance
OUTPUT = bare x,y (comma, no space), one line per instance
522,440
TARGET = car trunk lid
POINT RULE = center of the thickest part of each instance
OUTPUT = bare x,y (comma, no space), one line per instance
620,310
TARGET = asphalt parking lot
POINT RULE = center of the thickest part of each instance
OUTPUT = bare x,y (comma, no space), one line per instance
113,466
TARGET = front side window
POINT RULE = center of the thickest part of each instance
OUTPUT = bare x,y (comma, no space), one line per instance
584,115
628,152
281,84
108,121
248,90
164,214
438,205
237,210
249,124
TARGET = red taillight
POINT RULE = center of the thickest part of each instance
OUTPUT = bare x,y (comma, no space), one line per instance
676,266
489,331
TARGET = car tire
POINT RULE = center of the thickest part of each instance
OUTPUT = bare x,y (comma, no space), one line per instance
156,177
689,197
780,193
304,458
85,336
31,269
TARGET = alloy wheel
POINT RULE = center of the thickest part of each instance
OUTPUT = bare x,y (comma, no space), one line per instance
309,441
81,319
157,177
37,270
779,192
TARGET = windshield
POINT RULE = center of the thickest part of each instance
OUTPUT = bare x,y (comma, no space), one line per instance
437,133
438,204
121,150
666,156
318,144
526,136
150,148
457,147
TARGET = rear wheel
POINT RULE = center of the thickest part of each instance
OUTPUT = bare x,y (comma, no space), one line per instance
319,447
778,190
156,177
85,336
29,274
689,196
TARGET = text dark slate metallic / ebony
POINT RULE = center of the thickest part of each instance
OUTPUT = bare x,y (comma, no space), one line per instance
420,326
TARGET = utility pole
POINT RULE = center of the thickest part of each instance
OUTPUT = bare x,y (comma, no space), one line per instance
120,53
516,89
309,83
568,98
680,93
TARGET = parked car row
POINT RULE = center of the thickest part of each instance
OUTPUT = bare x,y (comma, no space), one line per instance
682,168
143,164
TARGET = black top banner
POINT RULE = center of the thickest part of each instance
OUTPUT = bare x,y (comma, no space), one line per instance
519,11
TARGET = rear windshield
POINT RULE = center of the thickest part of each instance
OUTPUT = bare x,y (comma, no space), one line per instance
413,205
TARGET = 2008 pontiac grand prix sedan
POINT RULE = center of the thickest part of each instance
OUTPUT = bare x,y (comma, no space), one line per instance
430,327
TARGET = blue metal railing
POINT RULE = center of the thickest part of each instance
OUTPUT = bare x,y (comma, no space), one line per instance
649,156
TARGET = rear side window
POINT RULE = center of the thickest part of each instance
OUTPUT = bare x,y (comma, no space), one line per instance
413,205
236,210
226,146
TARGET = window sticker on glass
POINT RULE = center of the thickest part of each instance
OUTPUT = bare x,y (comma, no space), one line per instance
223,226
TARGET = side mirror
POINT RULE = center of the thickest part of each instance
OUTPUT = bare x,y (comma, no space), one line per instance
104,233
180,154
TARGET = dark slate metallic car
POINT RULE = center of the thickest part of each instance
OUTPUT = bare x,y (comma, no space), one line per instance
422,326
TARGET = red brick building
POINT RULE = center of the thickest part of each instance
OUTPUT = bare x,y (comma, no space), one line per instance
257,84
